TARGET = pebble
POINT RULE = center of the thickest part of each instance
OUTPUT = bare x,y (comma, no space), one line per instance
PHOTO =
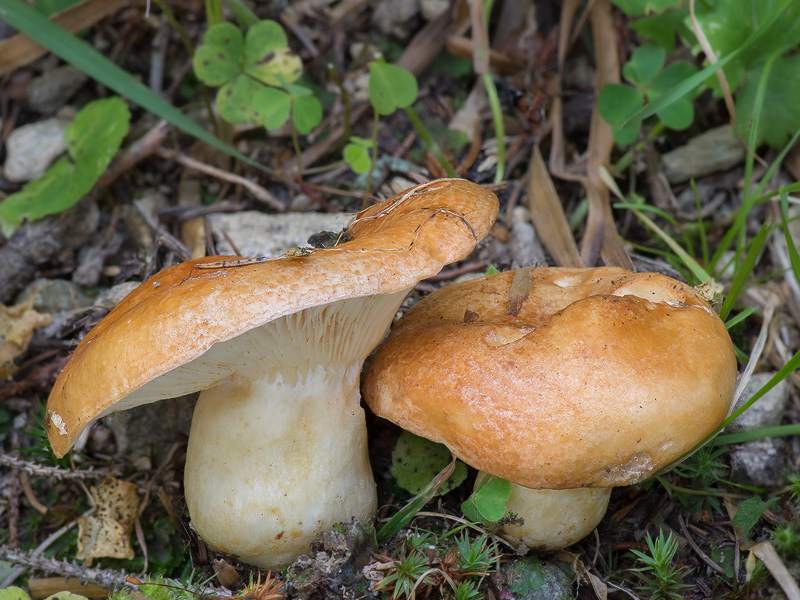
760,462
259,234
710,152
31,148
54,295
433,8
526,250
115,294
393,16
531,578
767,411
51,90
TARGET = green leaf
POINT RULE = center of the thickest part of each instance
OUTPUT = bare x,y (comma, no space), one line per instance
272,106
235,100
267,56
663,28
96,134
66,596
644,65
357,157
750,512
773,17
780,110
14,593
488,502
644,7
219,57
680,114
616,103
306,113
525,575
416,461
295,90
729,25
390,87
92,140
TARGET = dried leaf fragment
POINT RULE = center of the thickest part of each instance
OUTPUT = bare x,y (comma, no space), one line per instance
17,324
107,532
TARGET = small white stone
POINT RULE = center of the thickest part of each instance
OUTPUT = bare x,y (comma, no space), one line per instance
31,149
259,234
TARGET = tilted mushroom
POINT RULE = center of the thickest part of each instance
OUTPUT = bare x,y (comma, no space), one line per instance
600,379
277,450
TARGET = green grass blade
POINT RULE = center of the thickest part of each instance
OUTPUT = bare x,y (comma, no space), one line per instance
87,59
740,317
743,272
757,434
409,511
647,208
794,257
698,272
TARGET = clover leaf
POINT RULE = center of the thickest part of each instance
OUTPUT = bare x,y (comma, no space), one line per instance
390,87
243,67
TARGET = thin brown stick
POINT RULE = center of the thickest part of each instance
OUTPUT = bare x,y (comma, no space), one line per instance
261,194
458,271
145,146
29,494
706,559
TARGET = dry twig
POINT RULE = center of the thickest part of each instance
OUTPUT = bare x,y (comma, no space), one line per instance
45,471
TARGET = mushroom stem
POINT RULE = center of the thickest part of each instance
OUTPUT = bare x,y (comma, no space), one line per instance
270,464
554,519
278,452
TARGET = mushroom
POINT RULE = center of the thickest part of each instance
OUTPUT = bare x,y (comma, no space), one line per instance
277,449
601,378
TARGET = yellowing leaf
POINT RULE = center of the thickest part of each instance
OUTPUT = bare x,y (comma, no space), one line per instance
106,534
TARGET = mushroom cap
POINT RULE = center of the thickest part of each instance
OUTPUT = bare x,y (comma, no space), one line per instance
601,379
151,346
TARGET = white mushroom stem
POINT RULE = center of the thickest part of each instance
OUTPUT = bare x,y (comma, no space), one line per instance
554,519
278,452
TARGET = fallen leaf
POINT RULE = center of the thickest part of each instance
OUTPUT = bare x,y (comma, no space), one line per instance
17,324
106,534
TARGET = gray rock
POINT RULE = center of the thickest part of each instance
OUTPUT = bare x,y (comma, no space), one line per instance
114,295
760,463
54,296
715,150
526,251
767,411
433,8
258,234
31,148
393,16
51,90
531,578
